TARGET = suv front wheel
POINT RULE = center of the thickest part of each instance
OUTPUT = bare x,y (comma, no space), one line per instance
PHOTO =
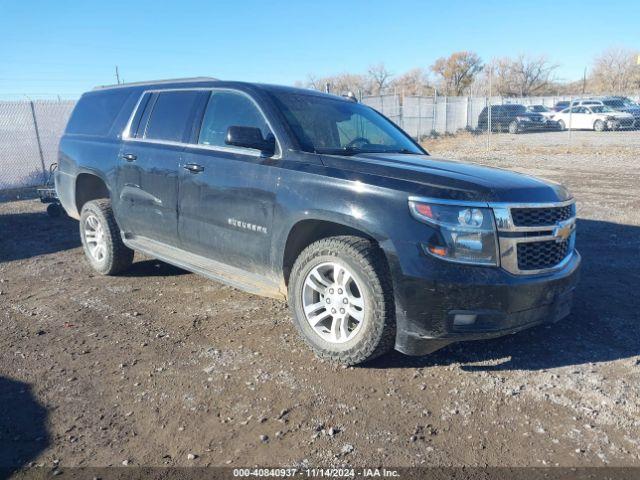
101,239
342,301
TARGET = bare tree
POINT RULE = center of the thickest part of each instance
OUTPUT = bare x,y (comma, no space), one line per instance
615,71
379,77
339,84
457,71
522,76
413,82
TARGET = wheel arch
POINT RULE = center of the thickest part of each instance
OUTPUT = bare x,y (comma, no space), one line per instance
89,186
309,230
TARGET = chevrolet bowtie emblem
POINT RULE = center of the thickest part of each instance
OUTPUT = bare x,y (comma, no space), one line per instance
563,230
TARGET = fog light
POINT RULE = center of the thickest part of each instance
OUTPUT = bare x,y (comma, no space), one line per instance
464,319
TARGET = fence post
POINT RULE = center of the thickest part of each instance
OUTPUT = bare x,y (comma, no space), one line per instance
467,114
445,114
419,116
37,130
401,108
434,122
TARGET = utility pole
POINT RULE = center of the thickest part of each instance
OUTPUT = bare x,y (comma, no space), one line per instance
117,75
584,80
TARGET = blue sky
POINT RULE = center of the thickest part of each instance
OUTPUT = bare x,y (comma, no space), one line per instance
67,47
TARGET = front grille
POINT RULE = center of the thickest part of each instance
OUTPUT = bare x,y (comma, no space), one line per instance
540,217
539,255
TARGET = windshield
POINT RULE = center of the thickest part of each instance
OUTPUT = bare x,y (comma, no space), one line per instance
538,108
335,126
601,109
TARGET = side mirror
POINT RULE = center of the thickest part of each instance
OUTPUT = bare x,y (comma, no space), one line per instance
250,137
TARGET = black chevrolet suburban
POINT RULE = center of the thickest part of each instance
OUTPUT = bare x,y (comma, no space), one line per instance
322,201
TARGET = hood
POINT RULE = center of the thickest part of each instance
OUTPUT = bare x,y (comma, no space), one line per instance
632,110
452,180
532,115
620,114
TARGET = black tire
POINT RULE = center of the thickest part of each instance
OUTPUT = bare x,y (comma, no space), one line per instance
367,264
599,126
513,127
54,210
561,125
117,257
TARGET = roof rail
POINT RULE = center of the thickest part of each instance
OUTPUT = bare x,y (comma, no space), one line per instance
156,82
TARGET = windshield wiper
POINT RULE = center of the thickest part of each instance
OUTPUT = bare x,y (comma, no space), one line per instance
340,151
349,151
405,151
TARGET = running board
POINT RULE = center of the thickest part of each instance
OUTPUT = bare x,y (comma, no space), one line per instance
220,272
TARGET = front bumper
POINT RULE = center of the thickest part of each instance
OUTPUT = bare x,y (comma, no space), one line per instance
428,302
539,126
616,124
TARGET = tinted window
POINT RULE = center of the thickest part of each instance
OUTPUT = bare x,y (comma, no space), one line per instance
172,116
95,112
614,103
514,108
141,116
227,109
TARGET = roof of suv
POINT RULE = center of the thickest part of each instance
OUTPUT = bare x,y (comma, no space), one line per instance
212,82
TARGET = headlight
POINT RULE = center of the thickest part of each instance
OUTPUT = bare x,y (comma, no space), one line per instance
523,119
461,234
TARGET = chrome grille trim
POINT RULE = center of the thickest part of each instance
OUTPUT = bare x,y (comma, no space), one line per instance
509,244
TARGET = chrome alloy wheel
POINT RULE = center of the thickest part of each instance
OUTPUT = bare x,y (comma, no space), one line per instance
94,237
333,302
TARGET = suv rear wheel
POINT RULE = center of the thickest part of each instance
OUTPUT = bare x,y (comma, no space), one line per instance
599,126
101,239
341,299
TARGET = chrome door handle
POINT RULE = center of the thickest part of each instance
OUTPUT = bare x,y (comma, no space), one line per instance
194,167
129,157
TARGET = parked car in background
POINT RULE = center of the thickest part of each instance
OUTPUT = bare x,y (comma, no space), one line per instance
593,117
625,100
322,201
514,118
561,105
619,104
541,110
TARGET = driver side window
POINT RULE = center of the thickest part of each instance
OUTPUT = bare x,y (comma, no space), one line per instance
226,109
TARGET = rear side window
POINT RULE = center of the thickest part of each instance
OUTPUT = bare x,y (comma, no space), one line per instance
226,109
95,113
172,116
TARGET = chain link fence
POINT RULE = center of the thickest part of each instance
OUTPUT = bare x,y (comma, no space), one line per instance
421,117
29,135
30,130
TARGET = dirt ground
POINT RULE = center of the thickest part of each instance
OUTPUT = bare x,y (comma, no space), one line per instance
163,367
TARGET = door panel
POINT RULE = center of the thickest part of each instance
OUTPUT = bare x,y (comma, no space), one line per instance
148,190
227,196
226,210
150,159
582,119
